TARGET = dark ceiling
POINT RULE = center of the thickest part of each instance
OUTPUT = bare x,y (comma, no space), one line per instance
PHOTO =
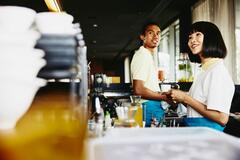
110,27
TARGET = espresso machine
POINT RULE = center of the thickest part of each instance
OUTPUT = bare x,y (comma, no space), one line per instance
106,95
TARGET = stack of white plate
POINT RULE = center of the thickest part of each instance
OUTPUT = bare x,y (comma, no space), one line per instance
20,63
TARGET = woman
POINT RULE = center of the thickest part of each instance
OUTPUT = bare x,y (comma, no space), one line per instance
209,99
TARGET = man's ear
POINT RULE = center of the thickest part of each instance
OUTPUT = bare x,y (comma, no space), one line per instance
142,37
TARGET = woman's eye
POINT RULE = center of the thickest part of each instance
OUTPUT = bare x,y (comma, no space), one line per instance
198,34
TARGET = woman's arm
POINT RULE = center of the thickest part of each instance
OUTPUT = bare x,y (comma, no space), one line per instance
182,97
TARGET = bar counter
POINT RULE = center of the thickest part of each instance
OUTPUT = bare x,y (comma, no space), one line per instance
186,143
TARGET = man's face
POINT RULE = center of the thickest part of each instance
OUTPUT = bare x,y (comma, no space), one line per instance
151,37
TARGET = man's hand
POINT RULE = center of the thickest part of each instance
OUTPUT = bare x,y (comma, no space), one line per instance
169,99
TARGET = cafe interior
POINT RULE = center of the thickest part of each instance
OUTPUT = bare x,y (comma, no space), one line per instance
66,87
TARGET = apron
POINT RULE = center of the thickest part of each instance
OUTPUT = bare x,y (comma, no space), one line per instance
202,122
152,109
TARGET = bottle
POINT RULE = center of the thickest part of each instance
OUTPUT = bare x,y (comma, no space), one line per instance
108,121
99,124
184,73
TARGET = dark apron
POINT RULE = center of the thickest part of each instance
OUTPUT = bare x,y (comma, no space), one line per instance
202,122
152,109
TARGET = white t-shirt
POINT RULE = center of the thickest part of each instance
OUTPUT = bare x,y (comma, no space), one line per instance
144,68
214,88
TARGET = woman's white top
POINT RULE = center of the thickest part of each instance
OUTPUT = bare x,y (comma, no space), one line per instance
213,87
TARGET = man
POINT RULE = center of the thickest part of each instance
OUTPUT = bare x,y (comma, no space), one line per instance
144,72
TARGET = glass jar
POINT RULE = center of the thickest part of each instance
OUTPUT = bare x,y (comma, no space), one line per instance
184,69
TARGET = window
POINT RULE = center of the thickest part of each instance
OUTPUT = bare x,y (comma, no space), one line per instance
237,34
169,51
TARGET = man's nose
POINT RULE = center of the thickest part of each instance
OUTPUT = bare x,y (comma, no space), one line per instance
156,35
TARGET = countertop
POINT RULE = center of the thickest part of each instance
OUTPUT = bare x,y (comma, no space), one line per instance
187,143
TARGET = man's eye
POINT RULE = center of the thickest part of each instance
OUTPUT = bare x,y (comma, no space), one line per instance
150,32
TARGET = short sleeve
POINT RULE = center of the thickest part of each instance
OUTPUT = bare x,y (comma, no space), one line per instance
220,89
140,67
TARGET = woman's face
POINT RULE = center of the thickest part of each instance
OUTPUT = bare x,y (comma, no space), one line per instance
195,42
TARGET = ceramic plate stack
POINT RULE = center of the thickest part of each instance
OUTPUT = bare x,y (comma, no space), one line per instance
19,63
59,42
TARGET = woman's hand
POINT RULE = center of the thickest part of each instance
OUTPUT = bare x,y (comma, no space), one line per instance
168,99
177,95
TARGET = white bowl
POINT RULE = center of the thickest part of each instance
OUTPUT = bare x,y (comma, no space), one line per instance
16,18
21,59
20,39
23,71
54,23
53,18
25,65
57,30
16,98
20,52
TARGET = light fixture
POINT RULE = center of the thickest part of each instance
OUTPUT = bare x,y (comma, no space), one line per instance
54,5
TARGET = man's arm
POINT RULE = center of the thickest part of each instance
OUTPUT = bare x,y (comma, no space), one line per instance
139,89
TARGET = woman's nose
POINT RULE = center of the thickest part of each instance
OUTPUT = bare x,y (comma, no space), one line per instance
192,40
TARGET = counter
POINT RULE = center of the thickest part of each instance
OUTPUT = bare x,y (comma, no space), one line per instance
190,143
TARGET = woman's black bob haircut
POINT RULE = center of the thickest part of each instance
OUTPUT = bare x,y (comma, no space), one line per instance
213,43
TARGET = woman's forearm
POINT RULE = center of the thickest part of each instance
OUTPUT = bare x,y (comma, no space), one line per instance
201,108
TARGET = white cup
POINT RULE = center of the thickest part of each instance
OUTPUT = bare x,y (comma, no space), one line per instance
165,87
